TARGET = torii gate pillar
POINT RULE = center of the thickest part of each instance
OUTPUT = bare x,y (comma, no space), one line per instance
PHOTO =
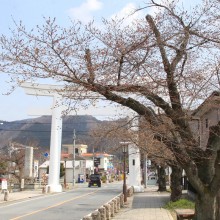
55,146
56,130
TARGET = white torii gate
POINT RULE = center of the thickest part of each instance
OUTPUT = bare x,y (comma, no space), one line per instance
56,130
55,91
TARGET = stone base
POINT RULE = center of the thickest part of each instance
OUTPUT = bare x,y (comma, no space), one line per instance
53,188
138,188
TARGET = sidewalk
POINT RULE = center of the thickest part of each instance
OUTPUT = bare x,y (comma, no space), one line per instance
26,194
145,206
20,195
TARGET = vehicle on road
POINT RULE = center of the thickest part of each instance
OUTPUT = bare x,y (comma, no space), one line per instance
94,180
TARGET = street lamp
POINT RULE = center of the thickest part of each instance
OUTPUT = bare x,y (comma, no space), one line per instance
65,172
124,150
74,146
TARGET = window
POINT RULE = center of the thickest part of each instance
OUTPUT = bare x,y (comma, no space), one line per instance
207,123
133,162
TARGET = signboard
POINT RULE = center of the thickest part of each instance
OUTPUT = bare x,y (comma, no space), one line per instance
36,163
46,154
22,183
4,184
96,161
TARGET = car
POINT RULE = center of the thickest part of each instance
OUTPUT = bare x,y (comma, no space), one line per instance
94,180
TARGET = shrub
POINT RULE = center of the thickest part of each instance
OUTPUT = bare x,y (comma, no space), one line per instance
180,204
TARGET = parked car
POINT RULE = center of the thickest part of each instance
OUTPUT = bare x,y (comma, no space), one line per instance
94,180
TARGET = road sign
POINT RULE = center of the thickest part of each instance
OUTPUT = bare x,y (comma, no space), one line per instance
46,154
4,184
96,161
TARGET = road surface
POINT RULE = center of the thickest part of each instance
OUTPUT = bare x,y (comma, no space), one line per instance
71,205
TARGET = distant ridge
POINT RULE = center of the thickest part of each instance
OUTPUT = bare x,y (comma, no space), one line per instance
37,130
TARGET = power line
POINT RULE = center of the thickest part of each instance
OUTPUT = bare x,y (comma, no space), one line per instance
41,130
48,123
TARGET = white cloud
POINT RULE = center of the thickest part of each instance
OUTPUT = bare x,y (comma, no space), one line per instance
155,10
128,13
84,11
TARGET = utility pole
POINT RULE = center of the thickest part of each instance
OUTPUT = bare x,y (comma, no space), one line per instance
145,170
74,146
93,158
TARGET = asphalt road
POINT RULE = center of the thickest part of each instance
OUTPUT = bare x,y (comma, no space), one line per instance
74,204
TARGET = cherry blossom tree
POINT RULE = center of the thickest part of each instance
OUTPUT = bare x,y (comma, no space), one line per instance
166,62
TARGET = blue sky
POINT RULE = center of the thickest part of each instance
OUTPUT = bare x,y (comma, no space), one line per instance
31,12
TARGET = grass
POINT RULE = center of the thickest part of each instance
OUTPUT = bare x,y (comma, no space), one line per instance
180,204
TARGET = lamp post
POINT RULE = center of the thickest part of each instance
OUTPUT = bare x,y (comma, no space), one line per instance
124,150
65,173
74,146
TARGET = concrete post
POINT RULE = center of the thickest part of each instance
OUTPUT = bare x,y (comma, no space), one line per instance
122,200
96,215
112,208
115,205
22,185
108,211
102,213
6,193
118,203
44,189
87,218
130,191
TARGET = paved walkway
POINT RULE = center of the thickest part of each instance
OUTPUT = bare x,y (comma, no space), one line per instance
145,206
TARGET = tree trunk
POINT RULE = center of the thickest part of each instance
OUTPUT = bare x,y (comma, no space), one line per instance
175,184
218,206
161,179
206,207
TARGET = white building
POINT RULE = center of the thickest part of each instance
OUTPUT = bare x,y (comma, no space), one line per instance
82,168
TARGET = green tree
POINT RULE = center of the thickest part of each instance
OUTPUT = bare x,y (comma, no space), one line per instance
3,167
62,170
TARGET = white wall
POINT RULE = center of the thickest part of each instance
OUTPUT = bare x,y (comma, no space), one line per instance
134,177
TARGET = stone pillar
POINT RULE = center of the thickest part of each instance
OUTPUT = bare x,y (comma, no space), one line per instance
55,145
112,209
130,191
102,213
122,200
87,218
115,205
108,211
96,215
118,203
6,193
28,163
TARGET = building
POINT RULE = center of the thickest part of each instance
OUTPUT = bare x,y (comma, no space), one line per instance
83,168
85,163
205,116
79,149
102,161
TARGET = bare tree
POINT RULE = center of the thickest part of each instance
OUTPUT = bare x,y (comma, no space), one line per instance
165,62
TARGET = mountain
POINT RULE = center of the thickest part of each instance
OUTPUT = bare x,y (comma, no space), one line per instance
36,131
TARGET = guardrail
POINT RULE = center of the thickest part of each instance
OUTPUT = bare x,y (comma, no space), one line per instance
110,209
